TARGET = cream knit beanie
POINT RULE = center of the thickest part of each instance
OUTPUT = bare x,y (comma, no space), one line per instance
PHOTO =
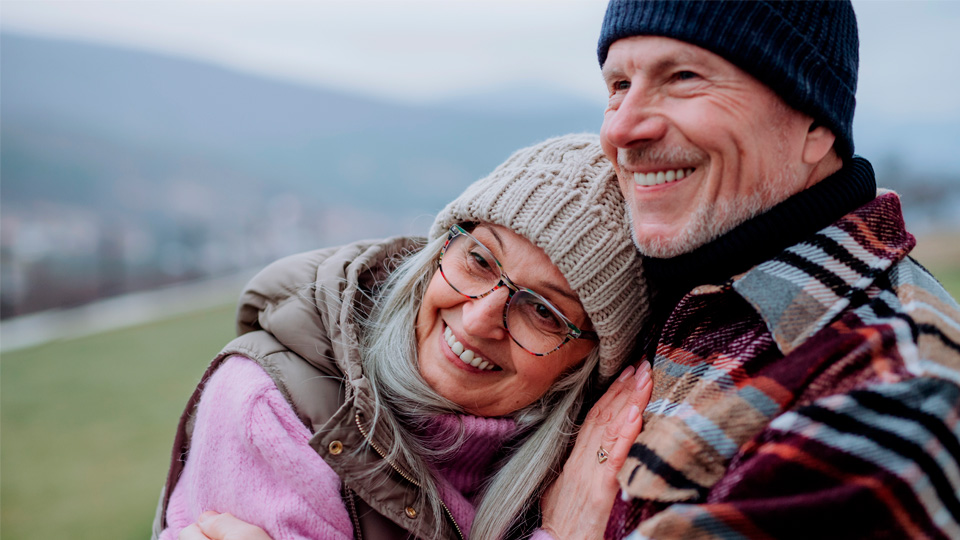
562,195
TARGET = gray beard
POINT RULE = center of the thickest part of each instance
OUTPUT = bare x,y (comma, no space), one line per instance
710,222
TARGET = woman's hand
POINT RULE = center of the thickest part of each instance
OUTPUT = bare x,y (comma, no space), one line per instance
214,526
577,505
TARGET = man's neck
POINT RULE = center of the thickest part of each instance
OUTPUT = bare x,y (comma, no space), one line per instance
825,168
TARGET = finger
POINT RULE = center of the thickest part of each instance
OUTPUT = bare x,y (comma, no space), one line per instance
638,394
192,532
614,398
618,436
627,387
612,391
222,526
622,384
631,427
207,515
600,429
643,391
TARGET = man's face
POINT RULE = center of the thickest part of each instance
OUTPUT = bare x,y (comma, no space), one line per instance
699,145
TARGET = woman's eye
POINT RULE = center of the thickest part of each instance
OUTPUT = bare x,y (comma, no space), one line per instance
546,316
620,86
479,260
685,75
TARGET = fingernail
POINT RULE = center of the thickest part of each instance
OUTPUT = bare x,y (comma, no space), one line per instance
642,379
633,414
644,368
626,374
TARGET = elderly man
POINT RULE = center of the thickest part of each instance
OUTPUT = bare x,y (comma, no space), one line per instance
805,366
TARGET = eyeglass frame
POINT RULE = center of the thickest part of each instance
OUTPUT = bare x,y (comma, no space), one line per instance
505,281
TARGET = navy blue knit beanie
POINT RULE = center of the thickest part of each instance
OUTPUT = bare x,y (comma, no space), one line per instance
807,52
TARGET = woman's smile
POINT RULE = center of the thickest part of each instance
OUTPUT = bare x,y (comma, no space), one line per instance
466,358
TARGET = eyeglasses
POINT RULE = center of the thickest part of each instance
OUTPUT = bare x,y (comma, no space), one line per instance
531,320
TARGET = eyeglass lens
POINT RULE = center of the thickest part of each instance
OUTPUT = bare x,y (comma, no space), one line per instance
471,269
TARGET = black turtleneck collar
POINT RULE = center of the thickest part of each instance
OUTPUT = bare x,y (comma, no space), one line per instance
763,237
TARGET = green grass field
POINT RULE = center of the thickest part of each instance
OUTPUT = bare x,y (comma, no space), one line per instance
87,424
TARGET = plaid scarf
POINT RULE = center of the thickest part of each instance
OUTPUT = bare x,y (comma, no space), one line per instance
814,395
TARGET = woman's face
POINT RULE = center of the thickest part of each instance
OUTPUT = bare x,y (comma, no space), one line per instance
513,378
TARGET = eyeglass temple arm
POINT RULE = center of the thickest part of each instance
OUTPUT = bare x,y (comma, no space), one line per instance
586,334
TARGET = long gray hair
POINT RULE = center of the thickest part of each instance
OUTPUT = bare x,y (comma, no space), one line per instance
405,403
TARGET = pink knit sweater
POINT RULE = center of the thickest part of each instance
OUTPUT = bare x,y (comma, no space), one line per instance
249,456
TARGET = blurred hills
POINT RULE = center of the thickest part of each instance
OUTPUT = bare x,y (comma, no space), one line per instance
123,170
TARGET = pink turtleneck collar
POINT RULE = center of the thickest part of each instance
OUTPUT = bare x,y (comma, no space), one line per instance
461,476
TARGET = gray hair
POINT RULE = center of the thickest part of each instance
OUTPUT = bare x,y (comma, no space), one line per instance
405,402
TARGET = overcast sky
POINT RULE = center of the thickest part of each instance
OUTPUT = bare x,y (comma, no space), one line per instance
418,51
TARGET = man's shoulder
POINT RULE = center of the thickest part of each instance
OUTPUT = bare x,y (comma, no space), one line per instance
803,288
934,318
856,276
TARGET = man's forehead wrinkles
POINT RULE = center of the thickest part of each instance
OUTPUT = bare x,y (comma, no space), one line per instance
629,61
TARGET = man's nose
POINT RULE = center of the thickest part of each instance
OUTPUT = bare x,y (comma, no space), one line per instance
483,317
635,121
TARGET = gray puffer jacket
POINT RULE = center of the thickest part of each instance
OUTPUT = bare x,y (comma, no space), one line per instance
298,319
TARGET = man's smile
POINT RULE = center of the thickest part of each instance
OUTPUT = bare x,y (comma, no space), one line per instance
661,177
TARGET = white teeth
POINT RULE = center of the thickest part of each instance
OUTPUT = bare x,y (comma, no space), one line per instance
466,355
660,177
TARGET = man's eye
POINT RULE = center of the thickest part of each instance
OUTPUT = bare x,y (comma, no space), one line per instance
685,75
619,86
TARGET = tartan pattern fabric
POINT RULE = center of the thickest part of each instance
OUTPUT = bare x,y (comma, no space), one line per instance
813,396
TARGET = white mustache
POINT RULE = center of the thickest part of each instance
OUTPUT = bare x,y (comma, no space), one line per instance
658,156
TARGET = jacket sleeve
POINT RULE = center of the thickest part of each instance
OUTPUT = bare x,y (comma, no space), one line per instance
881,462
250,456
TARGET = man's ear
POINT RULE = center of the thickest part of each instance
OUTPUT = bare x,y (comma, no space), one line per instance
818,143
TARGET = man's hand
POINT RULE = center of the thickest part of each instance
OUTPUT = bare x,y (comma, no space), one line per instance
577,505
213,526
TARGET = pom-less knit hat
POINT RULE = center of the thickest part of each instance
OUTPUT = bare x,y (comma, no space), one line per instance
806,51
562,195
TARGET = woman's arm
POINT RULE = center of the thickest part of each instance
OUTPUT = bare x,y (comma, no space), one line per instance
577,505
249,456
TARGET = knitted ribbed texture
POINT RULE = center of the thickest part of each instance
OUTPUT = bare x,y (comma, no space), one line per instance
562,195
807,52
460,477
468,467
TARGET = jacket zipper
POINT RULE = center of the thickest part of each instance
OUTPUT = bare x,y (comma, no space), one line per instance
353,513
402,473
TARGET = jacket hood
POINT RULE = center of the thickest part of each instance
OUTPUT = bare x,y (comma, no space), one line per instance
312,302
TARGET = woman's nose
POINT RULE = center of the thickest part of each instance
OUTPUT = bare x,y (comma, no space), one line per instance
483,317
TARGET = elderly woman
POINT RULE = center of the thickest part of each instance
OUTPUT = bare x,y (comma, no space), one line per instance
429,388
